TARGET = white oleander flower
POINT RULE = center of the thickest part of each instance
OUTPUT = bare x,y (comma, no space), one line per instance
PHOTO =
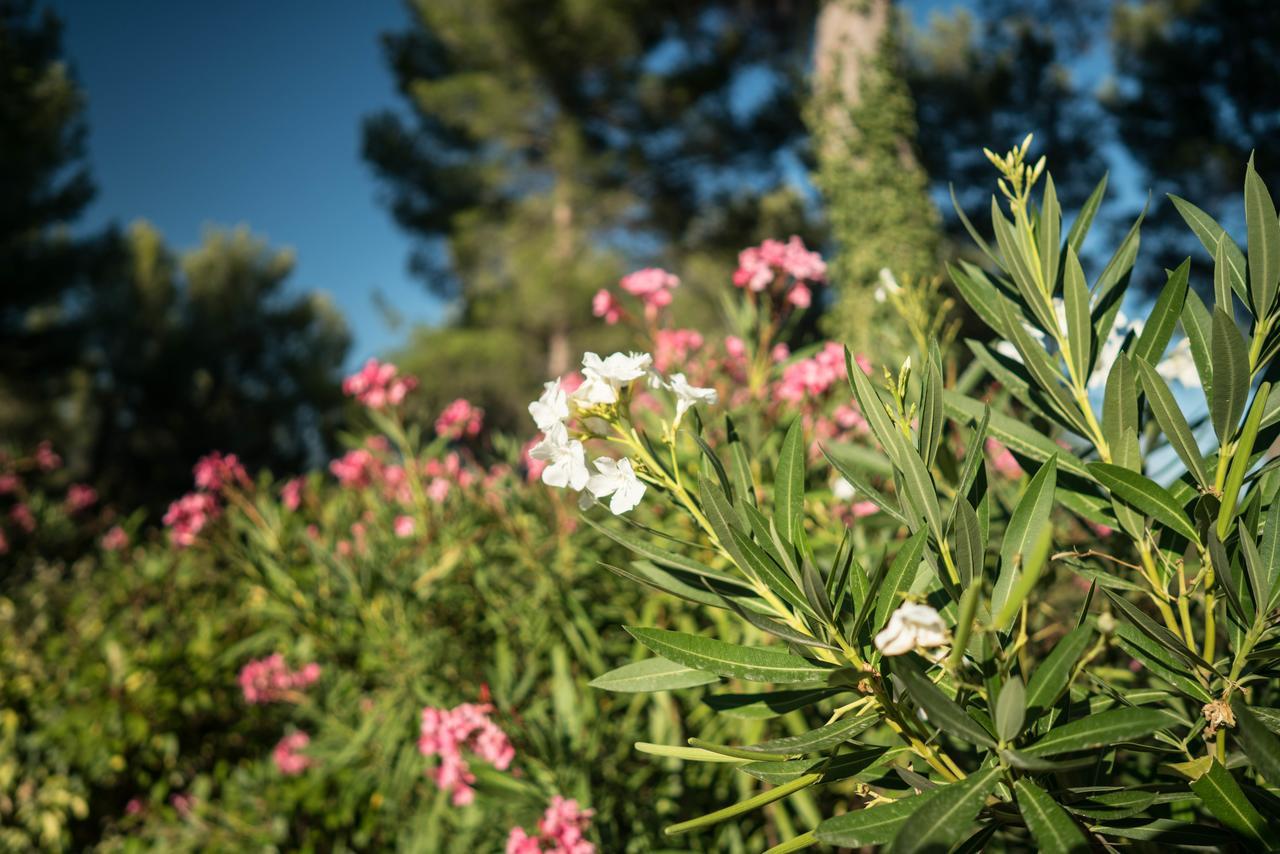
616,478
688,395
566,459
602,378
551,408
912,626
1180,367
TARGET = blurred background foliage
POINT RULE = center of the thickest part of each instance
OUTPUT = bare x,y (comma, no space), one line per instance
540,150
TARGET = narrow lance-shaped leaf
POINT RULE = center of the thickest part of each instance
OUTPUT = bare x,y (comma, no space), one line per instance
1210,235
726,659
1011,709
1264,242
1028,519
1230,375
1172,422
788,495
1050,825
652,674
1084,219
1075,292
1049,679
1223,797
943,712
1163,318
1240,460
872,825
944,820
1260,746
1197,322
1146,495
1100,730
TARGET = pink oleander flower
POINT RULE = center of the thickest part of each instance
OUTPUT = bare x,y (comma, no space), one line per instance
355,469
214,472
800,296
80,496
1004,461
780,352
460,420
291,493
115,539
404,526
377,385
672,347
23,517
861,509
812,377
269,680
652,285
9,483
438,489
187,516
447,732
735,347
46,459
605,305
561,830
133,807
760,266
183,803
286,754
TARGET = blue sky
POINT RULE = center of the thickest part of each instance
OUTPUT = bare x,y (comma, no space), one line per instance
238,112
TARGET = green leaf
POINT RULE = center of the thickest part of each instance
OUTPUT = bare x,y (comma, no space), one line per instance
652,674
1222,282
1050,233
1173,423
1080,228
900,575
1050,825
917,485
1050,677
944,713
830,770
1198,324
1075,291
1163,318
788,495
767,704
1224,798
727,659
970,549
1120,412
1032,564
872,825
1100,730
1230,375
1011,709
1259,575
686,754
871,406
1156,632
1241,461
1260,746
1029,518
1045,372
973,458
1117,268
1146,495
1211,234
1271,550
753,803
943,820
930,429
1264,242
815,741
759,564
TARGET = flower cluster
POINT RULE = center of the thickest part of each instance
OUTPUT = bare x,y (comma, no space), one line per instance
289,761
115,539
760,267
460,420
605,383
269,680
447,732
216,471
378,385
187,516
80,496
561,830
813,376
